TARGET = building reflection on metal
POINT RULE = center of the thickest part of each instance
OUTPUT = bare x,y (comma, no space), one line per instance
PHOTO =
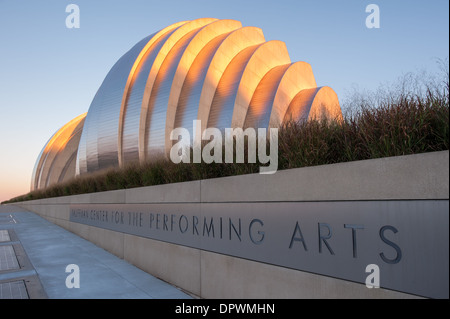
56,162
98,144
216,71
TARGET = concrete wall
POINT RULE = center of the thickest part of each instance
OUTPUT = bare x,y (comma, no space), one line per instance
212,275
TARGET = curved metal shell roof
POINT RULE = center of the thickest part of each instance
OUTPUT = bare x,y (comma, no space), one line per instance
216,71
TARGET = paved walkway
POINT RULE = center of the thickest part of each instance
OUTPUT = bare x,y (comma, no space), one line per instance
34,254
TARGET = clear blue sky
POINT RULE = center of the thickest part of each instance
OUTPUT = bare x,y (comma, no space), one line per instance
49,74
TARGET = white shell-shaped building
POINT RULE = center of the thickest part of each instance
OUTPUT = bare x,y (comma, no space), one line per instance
216,71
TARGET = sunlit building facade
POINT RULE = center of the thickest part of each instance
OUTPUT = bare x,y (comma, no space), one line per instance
215,71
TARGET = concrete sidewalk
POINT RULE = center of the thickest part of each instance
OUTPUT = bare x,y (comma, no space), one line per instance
34,254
